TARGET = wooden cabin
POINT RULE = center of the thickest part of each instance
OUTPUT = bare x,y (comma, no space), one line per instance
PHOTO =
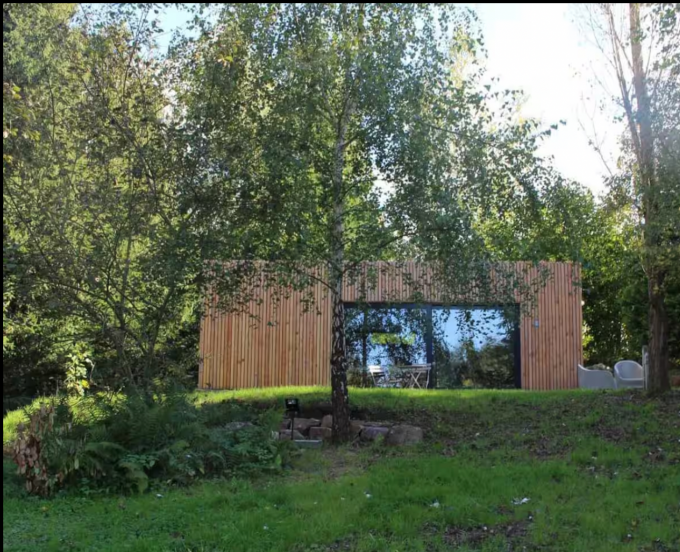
283,341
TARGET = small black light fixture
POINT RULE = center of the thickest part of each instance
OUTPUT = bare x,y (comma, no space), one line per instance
292,409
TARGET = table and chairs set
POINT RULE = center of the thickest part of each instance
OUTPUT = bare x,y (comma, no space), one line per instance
415,376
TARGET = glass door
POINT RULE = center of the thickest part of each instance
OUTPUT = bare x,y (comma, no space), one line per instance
476,347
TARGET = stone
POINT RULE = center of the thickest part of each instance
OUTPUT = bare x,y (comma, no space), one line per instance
323,433
372,433
327,421
285,424
404,435
356,427
303,424
285,435
309,444
237,426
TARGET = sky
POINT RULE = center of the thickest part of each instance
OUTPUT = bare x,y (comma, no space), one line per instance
538,48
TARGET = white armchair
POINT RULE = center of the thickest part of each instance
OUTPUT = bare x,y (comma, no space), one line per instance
629,373
595,379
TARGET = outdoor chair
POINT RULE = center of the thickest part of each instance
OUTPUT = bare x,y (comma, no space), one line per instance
628,373
394,377
378,375
595,379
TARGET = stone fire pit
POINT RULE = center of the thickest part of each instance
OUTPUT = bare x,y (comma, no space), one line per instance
313,429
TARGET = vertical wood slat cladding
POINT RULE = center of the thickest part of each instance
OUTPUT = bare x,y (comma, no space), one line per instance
279,342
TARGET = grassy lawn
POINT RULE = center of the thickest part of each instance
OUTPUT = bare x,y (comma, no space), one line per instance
601,472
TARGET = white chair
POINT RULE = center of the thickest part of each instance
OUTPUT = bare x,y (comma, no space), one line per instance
628,373
378,374
595,379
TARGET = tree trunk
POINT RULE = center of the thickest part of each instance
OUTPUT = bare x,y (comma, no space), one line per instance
658,380
339,393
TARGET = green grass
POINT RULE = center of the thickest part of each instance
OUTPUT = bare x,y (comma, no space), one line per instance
601,471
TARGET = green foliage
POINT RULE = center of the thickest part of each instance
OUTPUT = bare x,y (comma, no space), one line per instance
359,377
354,133
78,369
32,356
491,366
126,443
602,236
101,195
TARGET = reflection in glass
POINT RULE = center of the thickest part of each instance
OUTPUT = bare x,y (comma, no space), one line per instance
386,336
474,347
471,347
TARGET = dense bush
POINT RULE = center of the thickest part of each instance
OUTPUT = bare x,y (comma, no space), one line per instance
491,366
126,443
359,377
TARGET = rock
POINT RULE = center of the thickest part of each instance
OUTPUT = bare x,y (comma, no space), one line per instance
237,426
327,421
323,433
285,435
303,424
309,444
404,435
356,427
285,424
372,433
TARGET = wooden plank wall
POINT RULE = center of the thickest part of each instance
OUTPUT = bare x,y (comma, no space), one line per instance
279,343
275,343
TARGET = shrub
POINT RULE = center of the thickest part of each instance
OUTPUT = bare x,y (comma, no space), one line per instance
492,366
28,453
126,443
359,377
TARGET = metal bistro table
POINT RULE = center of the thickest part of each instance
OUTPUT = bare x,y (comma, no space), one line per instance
413,376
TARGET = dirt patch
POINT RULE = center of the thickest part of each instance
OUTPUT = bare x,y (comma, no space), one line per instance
513,531
504,510
337,546
669,405
546,449
660,546
656,456
611,434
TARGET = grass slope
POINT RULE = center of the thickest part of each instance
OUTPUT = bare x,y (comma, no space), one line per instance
601,471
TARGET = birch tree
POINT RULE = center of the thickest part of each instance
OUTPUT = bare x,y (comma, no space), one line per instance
356,132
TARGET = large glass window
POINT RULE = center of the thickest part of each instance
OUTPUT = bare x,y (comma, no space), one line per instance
473,347
386,336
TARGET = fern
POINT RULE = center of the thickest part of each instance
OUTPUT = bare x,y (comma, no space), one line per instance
135,474
123,443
